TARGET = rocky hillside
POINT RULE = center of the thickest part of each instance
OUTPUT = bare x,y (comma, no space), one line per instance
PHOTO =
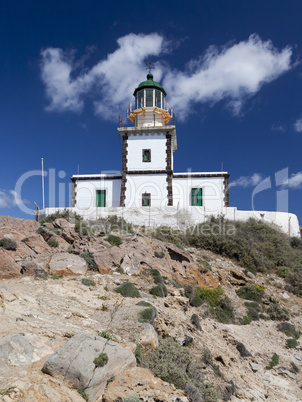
131,318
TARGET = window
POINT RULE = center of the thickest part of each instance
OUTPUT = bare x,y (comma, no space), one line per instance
149,97
196,197
146,155
158,98
146,200
140,99
101,198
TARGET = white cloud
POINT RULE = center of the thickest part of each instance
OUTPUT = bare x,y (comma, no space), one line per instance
298,125
247,181
295,181
232,73
10,199
278,127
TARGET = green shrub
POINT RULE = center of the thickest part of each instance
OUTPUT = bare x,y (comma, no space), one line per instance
251,292
128,289
247,319
120,270
118,224
156,276
170,235
277,312
81,228
223,311
25,239
89,258
209,295
289,330
103,297
174,282
8,244
172,363
88,282
66,214
294,368
114,240
160,290
52,242
56,276
159,254
101,361
291,343
53,229
204,266
83,394
193,393
196,321
196,301
148,315
144,304
107,335
274,362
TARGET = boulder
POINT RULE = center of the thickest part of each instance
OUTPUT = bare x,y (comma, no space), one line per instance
74,363
109,259
8,267
148,337
62,223
22,349
67,264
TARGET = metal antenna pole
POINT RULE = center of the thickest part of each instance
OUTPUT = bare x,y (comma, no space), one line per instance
43,184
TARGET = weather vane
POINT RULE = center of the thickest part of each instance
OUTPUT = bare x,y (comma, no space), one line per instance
150,66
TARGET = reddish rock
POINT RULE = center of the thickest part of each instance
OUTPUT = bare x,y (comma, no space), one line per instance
8,267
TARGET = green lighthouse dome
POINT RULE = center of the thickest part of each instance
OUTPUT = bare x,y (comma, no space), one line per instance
149,84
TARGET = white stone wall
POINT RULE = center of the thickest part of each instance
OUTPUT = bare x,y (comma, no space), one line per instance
156,141
156,185
212,192
86,193
184,218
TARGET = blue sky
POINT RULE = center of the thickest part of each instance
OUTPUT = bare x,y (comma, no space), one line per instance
231,70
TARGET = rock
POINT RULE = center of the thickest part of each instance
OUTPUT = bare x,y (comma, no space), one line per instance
131,265
140,381
22,349
62,223
188,340
8,267
41,274
285,295
298,357
109,259
283,370
148,337
181,341
67,264
250,274
117,282
38,245
254,367
73,363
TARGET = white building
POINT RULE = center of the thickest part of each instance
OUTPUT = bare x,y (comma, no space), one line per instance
147,191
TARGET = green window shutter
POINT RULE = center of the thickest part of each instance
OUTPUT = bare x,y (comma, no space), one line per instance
101,198
196,197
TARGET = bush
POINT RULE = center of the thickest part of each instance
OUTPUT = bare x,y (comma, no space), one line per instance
193,393
159,254
52,242
128,289
25,239
172,363
196,321
223,311
148,315
107,335
291,343
174,282
254,245
118,224
160,290
277,312
8,244
274,362
66,214
294,368
81,228
88,282
251,292
83,394
89,258
170,235
101,361
144,304
189,290
209,295
289,330
56,276
204,266
196,301
114,240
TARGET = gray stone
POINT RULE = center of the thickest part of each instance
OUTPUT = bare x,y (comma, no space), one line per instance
298,357
22,349
148,337
254,367
67,264
283,370
73,363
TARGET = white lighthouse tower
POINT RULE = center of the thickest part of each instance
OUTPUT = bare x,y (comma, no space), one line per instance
149,140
